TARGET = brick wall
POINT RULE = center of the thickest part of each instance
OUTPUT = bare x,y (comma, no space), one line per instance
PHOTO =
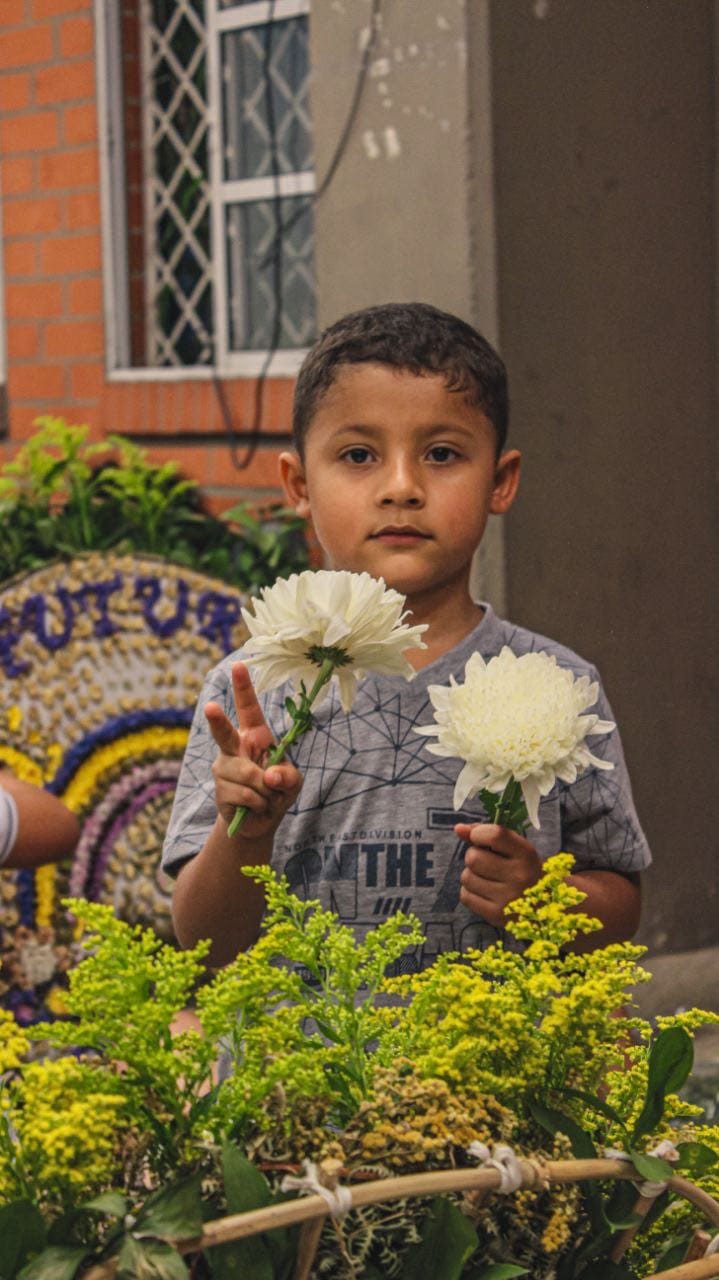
52,250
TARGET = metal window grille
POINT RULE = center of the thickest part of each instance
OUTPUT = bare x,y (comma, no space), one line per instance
178,255
264,177
207,183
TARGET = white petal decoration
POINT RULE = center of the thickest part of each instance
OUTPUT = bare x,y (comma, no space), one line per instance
354,615
515,717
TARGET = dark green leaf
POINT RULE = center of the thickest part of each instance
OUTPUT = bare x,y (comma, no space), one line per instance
245,1187
651,1167
149,1260
448,1240
501,1271
174,1213
55,1263
22,1233
555,1122
670,1062
603,1269
110,1203
695,1158
674,1255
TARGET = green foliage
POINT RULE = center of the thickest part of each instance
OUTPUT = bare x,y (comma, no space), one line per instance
122,1152
63,495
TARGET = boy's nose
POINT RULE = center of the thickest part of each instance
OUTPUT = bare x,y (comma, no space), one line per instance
401,486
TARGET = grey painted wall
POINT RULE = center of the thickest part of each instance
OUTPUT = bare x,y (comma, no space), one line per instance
551,179
604,153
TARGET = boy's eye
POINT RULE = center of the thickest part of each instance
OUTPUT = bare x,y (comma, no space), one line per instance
442,453
357,454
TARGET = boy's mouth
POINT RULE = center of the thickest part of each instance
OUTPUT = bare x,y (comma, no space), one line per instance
399,533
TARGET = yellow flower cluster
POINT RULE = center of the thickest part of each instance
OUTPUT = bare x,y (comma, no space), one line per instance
515,1024
14,1043
65,1121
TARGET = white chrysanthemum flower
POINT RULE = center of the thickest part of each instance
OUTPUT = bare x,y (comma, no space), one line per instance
352,619
516,717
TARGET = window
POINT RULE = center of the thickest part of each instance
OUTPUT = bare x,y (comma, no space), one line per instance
209,183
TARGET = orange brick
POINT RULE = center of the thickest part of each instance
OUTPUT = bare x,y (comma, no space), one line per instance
51,8
22,420
69,169
37,381
76,37
17,175
85,297
75,338
71,254
196,462
82,209
262,472
20,258
66,82
26,47
36,132
80,124
14,92
23,341
14,12
87,381
30,301
28,217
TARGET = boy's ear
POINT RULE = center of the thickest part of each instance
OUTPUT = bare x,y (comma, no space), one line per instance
294,483
506,482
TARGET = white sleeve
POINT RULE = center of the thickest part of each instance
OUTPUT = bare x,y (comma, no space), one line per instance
8,824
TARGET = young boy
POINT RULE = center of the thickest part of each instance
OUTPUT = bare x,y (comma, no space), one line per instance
399,423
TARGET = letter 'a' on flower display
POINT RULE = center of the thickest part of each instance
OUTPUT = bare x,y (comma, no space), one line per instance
319,626
516,721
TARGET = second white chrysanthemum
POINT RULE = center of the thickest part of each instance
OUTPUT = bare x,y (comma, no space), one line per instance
350,618
516,718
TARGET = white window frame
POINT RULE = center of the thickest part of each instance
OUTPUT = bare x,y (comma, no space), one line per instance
283,362
224,193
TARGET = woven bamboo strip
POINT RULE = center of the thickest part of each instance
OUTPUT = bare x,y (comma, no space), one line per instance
702,1269
306,1209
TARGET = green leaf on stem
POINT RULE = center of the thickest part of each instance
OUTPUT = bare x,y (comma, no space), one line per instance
174,1213
670,1062
448,1240
56,1263
22,1233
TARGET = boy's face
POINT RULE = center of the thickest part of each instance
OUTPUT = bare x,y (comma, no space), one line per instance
399,476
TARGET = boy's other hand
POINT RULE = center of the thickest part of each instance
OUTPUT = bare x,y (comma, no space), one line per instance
241,777
498,866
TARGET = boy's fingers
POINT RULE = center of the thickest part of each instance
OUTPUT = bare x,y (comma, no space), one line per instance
249,711
222,729
499,840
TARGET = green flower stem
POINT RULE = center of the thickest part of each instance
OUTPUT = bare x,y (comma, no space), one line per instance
508,809
300,724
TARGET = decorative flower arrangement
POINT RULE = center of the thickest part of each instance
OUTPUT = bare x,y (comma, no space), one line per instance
322,626
499,1060
517,723
102,659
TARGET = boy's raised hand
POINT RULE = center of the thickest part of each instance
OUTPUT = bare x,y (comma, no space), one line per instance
239,772
498,866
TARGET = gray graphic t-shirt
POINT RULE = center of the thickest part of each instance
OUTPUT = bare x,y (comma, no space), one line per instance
371,832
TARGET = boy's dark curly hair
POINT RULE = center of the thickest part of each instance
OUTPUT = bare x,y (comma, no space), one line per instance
406,335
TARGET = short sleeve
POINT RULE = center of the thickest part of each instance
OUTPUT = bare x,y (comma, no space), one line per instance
8,824
599,821
194,810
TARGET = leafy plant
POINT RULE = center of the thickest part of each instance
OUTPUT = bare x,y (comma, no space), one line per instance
63,495
122,1151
